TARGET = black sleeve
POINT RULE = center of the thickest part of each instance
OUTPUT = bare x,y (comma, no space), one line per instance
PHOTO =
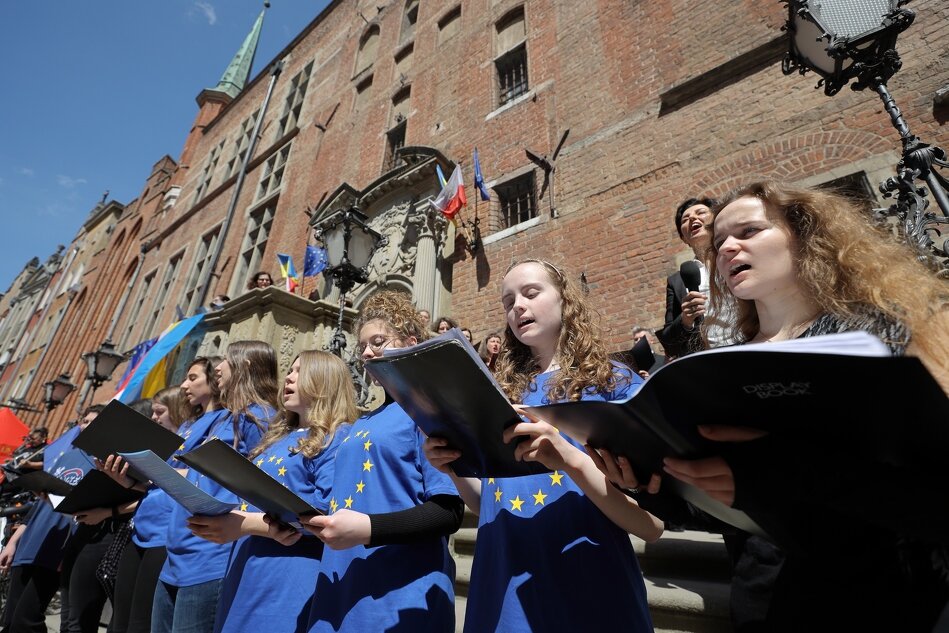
675,339
678,514
439,516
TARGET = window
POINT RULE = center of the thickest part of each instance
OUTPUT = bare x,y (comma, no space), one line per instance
403,59
517,200
856,187
448,25
171,275
511,62
368,48
242,144
362,93
255,243
273,172
294,103
208,174
409,18
395,140
202,259
143,293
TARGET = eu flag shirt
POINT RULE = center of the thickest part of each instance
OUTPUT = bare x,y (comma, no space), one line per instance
547,559
270,586
380,468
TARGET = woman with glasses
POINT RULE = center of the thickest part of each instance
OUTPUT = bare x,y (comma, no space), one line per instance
390,513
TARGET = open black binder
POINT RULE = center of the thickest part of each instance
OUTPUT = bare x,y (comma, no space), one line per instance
445,388
95,490
121,429
220,462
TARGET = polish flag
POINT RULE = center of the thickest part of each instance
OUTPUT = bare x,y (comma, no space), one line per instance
452,196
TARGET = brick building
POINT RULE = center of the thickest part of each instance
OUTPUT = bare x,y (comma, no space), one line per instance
661,99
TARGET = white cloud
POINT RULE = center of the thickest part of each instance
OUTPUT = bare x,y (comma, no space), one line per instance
68,182
207,9
26,171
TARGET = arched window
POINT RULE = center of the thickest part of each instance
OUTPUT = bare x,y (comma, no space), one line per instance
368,48
409,18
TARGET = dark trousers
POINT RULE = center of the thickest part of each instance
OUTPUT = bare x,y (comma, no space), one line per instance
83,595
135,588
31,589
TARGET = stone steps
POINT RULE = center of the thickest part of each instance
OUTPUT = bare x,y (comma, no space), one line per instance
686,575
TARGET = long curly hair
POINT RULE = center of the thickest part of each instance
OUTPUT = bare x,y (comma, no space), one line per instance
324,381
584,361
253,380
396,311
174,400
844,264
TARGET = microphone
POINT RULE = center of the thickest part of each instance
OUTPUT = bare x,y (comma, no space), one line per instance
691,275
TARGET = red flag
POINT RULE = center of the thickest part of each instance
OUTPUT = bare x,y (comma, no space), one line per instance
12,431
452,196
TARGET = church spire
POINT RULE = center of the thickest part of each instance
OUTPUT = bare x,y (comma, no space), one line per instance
238,71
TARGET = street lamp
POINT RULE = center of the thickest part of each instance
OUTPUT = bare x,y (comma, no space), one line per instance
56,391
350,243
843,40
101,363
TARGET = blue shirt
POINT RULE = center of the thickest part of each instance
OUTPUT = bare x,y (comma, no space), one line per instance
192,560
380,468
47,530
270,586
547,559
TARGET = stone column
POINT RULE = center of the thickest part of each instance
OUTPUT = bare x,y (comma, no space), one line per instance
430,228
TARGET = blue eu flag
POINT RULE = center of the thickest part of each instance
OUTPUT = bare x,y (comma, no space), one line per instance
314,261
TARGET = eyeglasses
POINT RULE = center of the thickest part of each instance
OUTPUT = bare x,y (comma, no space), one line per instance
376,345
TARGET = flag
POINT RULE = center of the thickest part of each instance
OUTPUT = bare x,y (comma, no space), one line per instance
179,313
479,179
442,181
288,270
314,261
149,377
59,446
12,432
452,196
138,353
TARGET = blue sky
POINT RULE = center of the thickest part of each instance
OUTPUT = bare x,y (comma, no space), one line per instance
94,93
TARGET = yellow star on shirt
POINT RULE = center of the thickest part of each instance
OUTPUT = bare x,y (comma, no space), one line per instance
490,480
360,486
555,478
272,457
349,501
539,497
180,448
346,439
516,503
279,460
243,507
282,471
367,465
260,462
367,445
497,496
333,505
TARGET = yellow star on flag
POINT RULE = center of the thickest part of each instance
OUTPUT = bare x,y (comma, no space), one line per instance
555,478
282,471
349,501
516,503
367,445
367,465
497,495
539,497
360,486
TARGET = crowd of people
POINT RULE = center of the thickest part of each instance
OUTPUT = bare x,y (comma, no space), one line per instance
772,263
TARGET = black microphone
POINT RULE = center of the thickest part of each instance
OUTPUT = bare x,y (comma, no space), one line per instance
691,275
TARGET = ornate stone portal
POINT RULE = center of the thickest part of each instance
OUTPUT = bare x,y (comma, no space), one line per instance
411,259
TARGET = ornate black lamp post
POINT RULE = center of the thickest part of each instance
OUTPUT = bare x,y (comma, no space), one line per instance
350,243
842,40
101,363
56,391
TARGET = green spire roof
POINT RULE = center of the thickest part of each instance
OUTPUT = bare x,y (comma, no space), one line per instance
238,71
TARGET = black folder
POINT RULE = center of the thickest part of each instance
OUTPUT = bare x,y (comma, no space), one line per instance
121,429
443,385
220,462
95,490
41,481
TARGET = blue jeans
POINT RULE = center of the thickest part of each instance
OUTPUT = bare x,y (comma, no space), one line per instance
185,609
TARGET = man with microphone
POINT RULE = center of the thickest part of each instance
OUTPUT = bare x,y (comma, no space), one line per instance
687,290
